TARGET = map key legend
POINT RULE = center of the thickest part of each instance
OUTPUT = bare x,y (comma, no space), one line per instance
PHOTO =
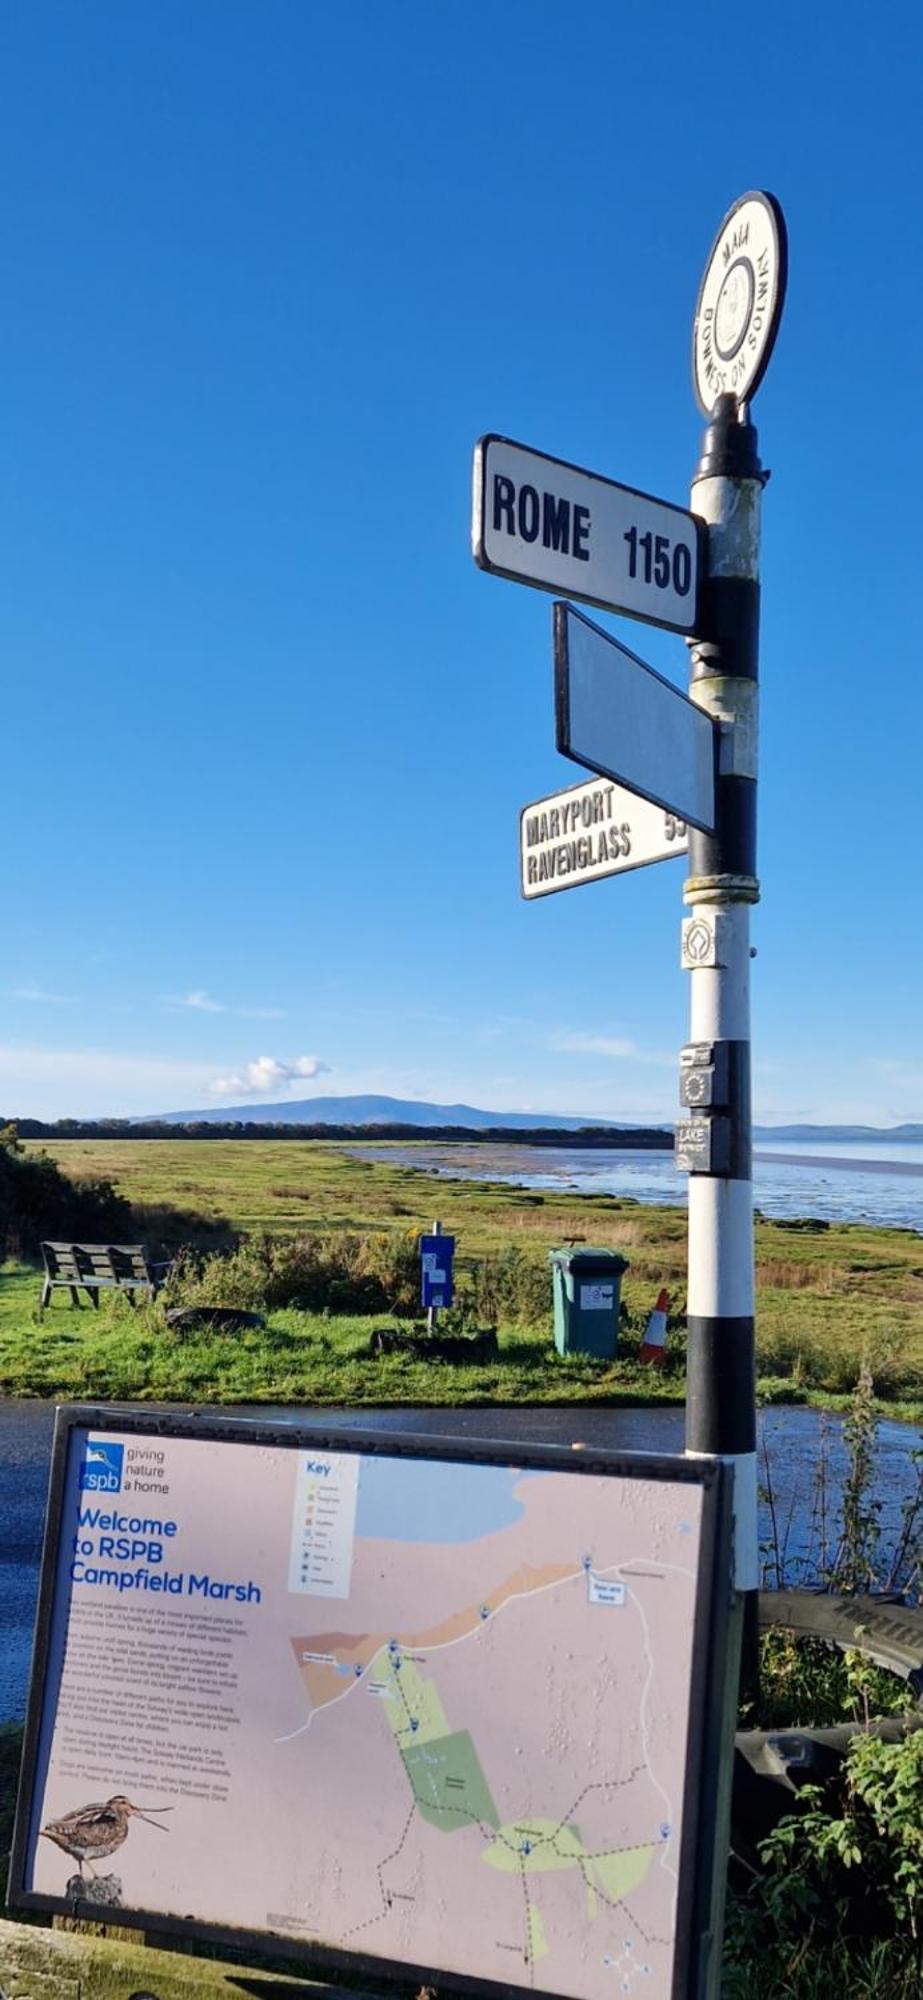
323,1525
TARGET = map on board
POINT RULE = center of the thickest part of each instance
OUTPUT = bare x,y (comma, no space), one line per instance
496,1716
430,1711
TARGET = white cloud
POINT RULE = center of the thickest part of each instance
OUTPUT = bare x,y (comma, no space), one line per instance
620,1046
592,1045
201,1002
267,1073
32,992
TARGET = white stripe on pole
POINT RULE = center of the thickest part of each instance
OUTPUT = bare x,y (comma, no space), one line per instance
720,1283
720,995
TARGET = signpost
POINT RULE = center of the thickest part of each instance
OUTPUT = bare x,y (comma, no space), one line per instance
539,520
327,1668
546,523
591,831
619,717
736,320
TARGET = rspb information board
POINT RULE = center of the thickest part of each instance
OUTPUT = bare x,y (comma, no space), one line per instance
337,1692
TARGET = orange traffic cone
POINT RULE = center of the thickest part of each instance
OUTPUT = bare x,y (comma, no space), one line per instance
654,1344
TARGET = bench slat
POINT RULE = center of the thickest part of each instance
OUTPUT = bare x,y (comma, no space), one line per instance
126,1249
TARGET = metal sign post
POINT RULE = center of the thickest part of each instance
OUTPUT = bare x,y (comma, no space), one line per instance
737,314
546,523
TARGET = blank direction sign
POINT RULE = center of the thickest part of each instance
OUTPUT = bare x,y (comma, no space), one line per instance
590,831
542,521
618,717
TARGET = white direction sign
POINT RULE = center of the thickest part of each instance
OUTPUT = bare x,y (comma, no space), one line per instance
620,718
539,520
740,301
590,831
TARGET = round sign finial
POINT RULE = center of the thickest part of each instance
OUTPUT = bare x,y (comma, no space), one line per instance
740,301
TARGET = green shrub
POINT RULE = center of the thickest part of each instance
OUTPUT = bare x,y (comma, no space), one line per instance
841,1872
808,1684
887,1970
512,1286
38,1201
363,1272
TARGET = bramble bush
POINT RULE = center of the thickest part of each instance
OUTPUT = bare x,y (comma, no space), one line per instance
513,1287
335,1271
359,1272
841,1877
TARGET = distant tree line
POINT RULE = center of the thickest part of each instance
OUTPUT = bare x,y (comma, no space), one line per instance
649,1138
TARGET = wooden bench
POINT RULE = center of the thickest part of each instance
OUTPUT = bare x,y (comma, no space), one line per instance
99,1267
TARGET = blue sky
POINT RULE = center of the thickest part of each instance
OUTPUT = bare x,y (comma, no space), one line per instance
269,270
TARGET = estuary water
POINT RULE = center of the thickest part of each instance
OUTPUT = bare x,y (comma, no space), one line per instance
802,1449
880,1183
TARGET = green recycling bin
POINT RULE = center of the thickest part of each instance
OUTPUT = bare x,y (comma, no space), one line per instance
587,1296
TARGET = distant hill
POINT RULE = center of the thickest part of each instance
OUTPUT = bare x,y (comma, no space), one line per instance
372,1110
378,1111
403,1115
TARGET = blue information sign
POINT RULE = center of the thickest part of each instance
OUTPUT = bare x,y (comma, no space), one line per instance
436,1254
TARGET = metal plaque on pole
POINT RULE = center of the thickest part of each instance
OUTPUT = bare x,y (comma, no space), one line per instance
542,521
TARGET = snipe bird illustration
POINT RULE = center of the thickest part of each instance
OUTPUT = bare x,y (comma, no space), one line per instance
92,1832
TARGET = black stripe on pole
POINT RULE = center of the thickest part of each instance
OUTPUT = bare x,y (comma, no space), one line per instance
730,615
720,1385
741,1148
731,849
729,646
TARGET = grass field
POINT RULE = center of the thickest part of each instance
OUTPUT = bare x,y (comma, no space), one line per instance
297,1357
824,1300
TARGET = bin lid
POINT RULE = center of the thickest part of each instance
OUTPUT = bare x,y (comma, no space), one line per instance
595,1263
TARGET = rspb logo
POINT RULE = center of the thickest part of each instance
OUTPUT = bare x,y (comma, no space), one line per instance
101,1471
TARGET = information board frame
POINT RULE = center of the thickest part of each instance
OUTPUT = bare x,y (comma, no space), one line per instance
694,1941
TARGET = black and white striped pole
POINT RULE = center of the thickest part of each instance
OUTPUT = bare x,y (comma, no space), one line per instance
740,301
